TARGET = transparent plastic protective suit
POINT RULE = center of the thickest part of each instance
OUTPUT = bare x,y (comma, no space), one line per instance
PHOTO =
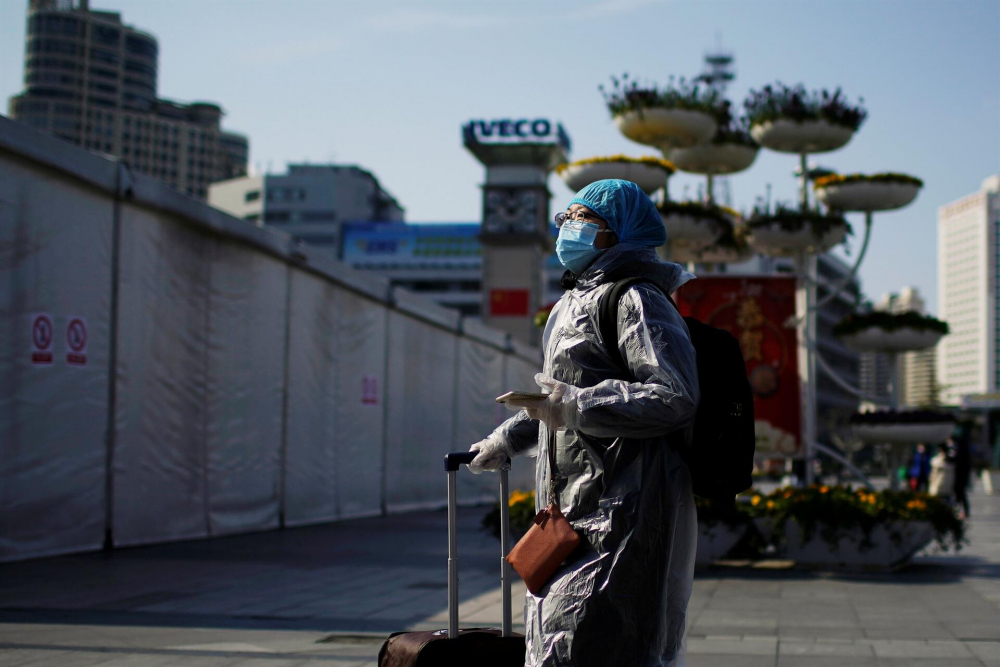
621,599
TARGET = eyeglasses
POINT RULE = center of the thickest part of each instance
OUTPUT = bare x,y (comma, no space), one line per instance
579,217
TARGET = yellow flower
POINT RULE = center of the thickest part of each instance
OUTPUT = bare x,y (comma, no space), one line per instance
824,489
755,501
871,498
770,504
520,497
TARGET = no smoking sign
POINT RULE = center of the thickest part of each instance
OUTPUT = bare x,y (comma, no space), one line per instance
42,333
76,341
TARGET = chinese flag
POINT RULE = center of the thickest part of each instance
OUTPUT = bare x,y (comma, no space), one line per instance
509,302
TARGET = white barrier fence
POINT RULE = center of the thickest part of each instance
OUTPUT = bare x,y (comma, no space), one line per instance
169,372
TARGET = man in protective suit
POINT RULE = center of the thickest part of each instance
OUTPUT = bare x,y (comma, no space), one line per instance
621,597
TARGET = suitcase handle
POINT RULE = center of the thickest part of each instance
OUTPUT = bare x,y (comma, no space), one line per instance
452,462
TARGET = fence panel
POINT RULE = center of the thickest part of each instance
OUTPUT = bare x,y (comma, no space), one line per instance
159,460
245,387
420,397
55,267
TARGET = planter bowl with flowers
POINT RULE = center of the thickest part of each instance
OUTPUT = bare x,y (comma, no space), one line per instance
693,226
675,116
794,120
805,136
666,128
880,331
730,248
730,150
858,192
902,428
649,173
787,232
838,527
713,159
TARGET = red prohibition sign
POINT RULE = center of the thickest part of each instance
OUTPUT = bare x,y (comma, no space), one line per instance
41,332
76,334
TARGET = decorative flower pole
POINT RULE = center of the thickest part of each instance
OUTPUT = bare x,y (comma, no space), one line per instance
892,334
790,120
697,133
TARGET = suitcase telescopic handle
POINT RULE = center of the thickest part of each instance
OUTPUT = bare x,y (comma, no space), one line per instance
452,462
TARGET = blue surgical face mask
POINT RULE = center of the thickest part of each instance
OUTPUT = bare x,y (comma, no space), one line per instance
575,246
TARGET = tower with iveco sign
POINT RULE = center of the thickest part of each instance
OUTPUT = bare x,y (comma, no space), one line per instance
518,155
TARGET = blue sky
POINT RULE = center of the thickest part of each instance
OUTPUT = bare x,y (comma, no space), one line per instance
387,85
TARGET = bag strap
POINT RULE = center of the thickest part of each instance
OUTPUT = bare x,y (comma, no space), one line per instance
607,315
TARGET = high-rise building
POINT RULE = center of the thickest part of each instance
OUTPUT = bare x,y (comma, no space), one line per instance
310,202
91,79
917,375
968,273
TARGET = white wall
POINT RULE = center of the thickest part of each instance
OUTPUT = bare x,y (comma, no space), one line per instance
232,383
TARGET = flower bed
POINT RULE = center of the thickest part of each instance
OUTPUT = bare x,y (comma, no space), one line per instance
788,232
817,526
839,526
678,115
881,331
794,120
649,173
521,508
858,192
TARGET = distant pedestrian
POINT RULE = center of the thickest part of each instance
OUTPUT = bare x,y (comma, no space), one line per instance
942,477
963,470
920,469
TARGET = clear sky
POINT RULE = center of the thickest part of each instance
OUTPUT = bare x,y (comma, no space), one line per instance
387,85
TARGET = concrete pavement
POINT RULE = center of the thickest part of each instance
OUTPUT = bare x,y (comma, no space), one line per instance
327,595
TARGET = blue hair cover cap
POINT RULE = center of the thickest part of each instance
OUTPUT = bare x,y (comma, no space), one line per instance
628,211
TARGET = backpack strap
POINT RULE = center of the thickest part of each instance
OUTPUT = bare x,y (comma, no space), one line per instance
607,316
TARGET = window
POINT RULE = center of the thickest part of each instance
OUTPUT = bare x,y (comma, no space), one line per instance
319,239
319,216
253,195
55,25
276,217
136,67
105,34
53,46
102,56
143,47
103,88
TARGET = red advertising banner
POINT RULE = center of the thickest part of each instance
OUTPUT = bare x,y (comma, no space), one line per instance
754,310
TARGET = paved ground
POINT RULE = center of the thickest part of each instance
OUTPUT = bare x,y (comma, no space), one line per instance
327,595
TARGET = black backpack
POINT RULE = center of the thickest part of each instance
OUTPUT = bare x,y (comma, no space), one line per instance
720,458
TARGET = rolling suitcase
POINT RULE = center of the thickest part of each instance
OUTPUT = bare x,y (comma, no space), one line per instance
479,647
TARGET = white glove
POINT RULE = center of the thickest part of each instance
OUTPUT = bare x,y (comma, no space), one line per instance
493,455
558,410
